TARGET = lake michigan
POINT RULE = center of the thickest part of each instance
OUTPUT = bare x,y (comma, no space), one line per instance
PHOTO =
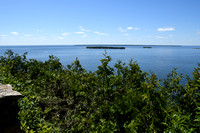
158,59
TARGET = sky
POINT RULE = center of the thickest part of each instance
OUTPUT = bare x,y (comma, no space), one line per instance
63,22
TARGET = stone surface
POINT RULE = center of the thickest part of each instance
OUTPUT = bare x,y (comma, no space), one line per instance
9,109
6,91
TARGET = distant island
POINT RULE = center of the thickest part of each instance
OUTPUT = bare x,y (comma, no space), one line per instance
104,47
147,47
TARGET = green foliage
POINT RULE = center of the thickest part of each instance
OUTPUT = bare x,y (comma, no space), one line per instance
179,123
122,98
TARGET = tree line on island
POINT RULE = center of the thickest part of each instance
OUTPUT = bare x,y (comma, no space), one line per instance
122,98
104,47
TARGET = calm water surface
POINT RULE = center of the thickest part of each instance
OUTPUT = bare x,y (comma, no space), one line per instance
158,59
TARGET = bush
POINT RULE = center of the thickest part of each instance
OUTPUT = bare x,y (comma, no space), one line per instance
119,99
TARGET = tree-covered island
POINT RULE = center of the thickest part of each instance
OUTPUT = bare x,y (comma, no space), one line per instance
147,47
104,47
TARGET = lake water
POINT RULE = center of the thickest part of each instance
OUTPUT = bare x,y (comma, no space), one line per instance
158,59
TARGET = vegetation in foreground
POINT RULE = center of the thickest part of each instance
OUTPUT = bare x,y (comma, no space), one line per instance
119,99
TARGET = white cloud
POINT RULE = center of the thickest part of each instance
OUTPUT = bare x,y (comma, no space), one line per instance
65,34
100,33
82,29
15,33
171,35
129,28
3,35
166,29
60,37
121,29
28,35
79,32
161,37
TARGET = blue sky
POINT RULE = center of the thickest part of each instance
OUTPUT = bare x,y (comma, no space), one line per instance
148,22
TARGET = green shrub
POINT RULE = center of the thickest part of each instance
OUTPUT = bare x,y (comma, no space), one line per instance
118,99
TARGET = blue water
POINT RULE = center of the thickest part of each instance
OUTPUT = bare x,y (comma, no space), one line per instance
158,59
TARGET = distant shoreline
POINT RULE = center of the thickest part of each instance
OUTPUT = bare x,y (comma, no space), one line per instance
124,45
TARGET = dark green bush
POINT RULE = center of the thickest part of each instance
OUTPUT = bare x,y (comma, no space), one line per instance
119,99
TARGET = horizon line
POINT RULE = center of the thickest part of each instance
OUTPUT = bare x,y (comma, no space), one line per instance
114,44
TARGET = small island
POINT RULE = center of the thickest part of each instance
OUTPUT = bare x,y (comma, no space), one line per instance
103,47
147,47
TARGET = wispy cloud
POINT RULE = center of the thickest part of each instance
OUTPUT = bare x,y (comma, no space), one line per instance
121,29
79,32
3,35
164,37
161,37
100,33
65,34
166,29
83,29
129,28
15,33
126,34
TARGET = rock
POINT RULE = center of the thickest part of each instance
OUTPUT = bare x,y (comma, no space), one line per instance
6,91
9,109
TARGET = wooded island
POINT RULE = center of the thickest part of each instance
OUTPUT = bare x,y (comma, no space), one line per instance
104,47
